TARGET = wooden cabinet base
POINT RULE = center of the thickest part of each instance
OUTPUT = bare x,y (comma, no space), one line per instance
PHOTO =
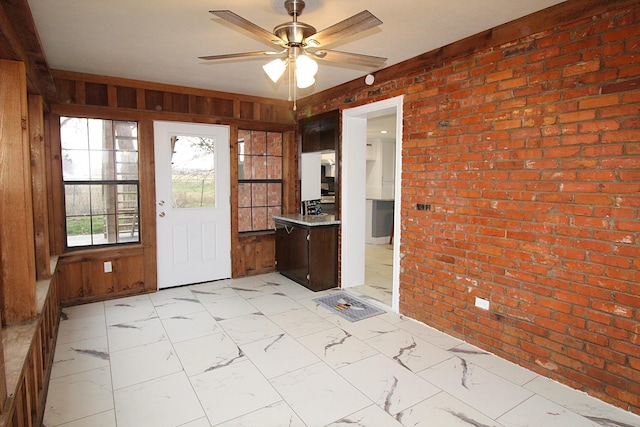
308,254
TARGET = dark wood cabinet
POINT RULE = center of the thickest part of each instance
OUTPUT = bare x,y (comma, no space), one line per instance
321,132
308,254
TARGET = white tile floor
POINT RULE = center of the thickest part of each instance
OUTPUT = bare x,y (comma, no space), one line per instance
378,276
260,352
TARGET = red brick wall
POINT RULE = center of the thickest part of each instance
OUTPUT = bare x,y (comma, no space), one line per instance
529,154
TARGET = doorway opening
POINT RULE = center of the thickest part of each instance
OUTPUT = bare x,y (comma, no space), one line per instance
355,205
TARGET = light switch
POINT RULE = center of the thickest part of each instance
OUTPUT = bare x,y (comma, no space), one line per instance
107,267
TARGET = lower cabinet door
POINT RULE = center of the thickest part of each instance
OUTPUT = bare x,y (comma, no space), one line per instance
292,252
323,258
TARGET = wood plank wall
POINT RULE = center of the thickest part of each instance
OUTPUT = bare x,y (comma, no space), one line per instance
39,186
30,309
30,347
82,278
16,231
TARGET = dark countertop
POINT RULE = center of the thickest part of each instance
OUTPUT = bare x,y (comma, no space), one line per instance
308,220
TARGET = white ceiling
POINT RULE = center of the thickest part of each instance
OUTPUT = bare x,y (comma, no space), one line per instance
160,40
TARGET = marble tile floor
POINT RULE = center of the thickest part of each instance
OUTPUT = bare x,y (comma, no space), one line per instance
378,276
260,352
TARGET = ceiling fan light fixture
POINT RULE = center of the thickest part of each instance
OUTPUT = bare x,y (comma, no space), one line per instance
275,69
306,66
294,37
303,81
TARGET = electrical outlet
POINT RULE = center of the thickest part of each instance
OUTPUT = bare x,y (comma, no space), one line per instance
482,303
107,267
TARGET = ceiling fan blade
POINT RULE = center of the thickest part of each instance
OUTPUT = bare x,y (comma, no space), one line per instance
351,58
239,21
239,55
357,23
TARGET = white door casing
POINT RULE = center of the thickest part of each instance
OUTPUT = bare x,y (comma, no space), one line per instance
353,190
193,239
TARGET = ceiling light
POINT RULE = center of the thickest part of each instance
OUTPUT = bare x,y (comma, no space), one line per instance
306,69
302,70
303,81
306,66
275,69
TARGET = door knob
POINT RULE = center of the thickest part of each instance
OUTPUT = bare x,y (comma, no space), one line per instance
162,214
161,202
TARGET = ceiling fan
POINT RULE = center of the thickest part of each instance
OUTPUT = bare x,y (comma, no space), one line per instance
300,44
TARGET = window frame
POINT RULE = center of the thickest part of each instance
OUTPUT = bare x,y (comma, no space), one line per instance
266,181
136,226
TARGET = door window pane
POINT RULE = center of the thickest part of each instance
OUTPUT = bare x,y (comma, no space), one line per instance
192,172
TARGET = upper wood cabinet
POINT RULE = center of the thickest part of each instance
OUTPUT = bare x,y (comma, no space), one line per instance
321,132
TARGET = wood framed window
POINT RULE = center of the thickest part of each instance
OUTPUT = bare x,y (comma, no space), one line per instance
100,179
260,183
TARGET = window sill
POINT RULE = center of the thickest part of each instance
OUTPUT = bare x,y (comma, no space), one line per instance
106,253
255,233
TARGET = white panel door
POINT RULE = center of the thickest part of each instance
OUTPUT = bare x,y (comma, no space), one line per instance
193,212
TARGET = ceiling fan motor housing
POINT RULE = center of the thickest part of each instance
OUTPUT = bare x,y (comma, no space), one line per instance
294,33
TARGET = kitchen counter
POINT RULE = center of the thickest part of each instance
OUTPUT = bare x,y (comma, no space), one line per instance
308,220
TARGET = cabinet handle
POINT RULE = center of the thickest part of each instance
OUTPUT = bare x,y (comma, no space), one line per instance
288,229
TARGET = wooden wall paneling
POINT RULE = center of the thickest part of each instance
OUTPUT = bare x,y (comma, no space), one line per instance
96,94
203,105
17,253
236,108
223,107
140,99
248,251
255,254
112,96
154,100
28,391
180,102
71,281
80,92
245,110
237,262
266,254
94,278
37,360
66,91
282,109
54,186
31,346
193,104
146,167
290,198
126,97
39,187
19,42
3,377
167,101
128,274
